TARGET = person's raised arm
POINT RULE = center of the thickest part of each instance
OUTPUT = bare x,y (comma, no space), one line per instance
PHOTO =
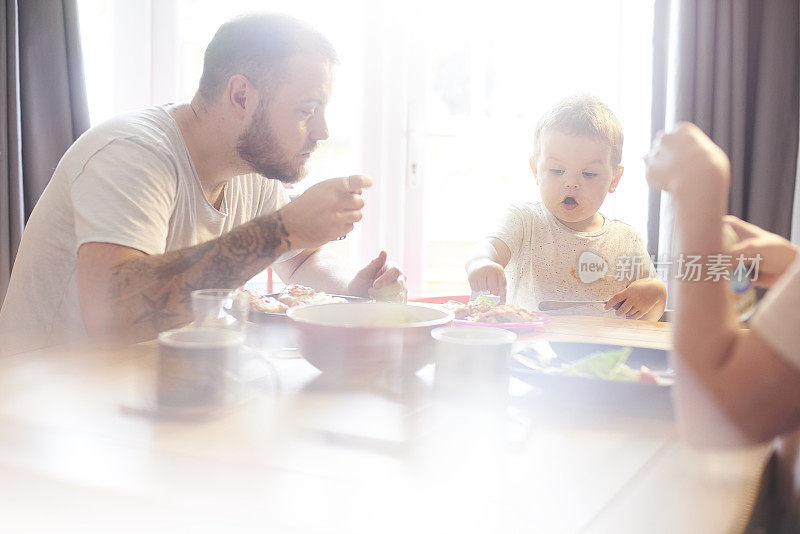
486,267
126,295
732,385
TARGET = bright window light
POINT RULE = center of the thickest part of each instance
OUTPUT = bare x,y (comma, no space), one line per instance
474,83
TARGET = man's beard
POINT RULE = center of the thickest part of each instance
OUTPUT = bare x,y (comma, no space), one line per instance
260,149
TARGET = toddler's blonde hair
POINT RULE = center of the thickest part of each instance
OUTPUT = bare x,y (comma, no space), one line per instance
584,115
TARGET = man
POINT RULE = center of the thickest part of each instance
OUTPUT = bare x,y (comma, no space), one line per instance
154,204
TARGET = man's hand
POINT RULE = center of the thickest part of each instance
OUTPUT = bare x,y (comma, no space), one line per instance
684,160
326,211
645,298
380,280
777,254
487,275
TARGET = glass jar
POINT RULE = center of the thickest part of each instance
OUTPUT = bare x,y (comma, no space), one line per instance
741,290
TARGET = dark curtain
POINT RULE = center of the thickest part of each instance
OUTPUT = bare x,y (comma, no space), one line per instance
44,107
735,76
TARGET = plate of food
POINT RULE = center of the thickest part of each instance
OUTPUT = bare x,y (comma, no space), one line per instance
268,313
264,306
485,311
633,379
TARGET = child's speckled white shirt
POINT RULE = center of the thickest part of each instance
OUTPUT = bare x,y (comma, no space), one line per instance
550,261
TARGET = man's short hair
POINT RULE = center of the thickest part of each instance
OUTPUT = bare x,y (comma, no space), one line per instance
256,45
583,115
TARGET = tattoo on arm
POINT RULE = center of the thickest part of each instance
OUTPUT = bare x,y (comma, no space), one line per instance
152,293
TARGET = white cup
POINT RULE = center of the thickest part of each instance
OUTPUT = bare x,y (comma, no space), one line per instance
193,366
473,361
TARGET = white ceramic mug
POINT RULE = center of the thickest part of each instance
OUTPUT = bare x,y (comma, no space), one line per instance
473,361
193,366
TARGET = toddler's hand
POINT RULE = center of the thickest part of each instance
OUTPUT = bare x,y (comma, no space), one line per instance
486,275
641,298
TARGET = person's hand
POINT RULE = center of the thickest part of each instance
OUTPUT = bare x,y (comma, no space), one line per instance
643,297
685,159
777,254
326,211
486,275
380,280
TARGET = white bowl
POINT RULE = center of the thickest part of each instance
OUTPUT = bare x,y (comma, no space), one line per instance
366,337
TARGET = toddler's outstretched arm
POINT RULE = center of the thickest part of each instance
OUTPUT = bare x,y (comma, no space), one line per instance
485,267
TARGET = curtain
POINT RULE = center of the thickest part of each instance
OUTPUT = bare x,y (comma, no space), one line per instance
731,67
795,236
44,107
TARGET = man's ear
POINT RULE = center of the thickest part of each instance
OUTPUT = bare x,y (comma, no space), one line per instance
532,163
616,178
241,97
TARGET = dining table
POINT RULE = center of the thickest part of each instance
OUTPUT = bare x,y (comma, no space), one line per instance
84,448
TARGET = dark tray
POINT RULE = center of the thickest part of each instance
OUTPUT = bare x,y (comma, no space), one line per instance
595,393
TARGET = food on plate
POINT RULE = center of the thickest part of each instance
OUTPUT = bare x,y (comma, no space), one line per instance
506,313
609,365
266,304
292,295
485,310
647,376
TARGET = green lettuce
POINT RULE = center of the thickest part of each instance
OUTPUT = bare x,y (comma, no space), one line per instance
485,299
608,365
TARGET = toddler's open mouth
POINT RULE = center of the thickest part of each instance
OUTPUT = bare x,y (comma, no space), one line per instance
569,203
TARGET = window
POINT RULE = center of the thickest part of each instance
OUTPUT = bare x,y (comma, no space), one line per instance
486,77
437,103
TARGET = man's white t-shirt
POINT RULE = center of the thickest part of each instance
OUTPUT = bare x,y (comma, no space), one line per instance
129,181
551,262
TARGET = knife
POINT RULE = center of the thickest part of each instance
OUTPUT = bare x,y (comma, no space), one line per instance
548,305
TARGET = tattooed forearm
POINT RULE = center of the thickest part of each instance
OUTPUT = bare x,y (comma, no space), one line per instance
156,313
152,293
276,234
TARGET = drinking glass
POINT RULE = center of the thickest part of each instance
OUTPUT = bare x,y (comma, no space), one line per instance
220,308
